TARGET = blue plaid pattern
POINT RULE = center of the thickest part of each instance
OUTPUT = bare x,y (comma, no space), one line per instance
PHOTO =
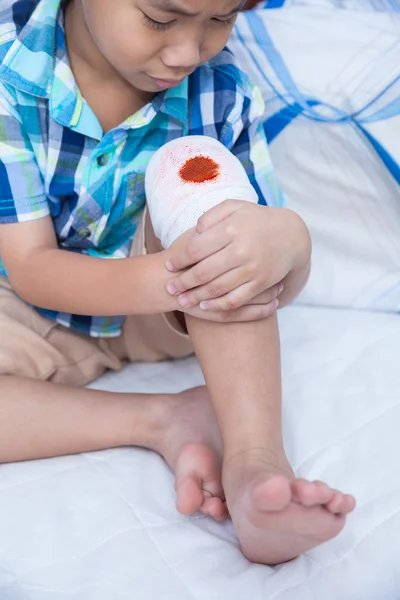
55,159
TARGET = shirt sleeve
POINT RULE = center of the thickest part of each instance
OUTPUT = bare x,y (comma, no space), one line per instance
22,191
243,133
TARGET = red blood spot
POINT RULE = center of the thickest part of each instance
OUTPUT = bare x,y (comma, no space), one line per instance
199,169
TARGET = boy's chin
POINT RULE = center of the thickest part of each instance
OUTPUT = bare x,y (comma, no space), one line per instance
147,85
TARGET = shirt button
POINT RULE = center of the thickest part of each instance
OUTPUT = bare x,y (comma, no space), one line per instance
102,160
84,233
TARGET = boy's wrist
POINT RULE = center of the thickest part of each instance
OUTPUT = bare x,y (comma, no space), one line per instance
153,277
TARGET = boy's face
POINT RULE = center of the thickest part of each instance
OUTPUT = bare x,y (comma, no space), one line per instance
155,44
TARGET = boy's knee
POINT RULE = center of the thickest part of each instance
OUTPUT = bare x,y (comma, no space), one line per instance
153,244
186,178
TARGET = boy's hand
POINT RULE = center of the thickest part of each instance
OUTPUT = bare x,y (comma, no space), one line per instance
259,308
241,252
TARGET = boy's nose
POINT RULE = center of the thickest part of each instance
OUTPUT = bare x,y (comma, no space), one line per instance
183,56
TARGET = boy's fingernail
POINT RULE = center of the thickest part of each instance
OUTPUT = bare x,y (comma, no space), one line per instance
280,290
276,303
171,289
205,305
169,265
184,301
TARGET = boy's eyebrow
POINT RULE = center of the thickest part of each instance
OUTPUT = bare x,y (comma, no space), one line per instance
173,7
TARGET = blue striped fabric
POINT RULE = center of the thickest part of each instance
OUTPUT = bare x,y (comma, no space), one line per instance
285,101
272,4
55,160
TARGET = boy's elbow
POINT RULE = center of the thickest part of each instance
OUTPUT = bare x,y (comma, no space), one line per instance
20,283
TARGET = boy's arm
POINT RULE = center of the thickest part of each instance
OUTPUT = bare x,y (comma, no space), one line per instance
55,279
39,271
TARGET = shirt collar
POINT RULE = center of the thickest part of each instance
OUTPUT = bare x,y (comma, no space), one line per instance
37,63
174,102
29,63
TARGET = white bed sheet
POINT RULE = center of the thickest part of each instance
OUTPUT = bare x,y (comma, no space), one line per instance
103,526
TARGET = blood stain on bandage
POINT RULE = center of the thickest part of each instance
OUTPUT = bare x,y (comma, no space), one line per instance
199,169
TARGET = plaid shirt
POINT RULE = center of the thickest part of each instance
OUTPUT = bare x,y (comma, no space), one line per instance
56,160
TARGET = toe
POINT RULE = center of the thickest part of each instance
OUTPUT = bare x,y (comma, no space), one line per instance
337,504
198,477
189,495
310,493
349,503
326,493
215,508
274,494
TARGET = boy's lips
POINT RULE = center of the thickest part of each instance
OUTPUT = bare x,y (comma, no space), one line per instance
167,83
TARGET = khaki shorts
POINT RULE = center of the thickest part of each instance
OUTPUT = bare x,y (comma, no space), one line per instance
35,347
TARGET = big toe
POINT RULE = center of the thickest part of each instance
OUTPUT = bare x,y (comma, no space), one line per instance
189,495
198,480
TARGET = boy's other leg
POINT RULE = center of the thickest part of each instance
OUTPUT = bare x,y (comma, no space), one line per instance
39,419
276,516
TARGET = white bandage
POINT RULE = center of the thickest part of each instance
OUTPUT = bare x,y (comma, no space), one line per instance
186,178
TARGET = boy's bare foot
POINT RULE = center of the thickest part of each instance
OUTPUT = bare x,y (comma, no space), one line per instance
190,443
276,516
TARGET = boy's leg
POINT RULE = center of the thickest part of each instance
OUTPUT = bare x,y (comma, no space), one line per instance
39,419
276,516
43,412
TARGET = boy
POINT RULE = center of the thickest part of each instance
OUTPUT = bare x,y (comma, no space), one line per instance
89,90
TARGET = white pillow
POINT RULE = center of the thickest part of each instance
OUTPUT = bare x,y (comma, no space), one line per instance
330,172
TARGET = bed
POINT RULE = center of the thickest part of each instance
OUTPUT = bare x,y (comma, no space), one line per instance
103,526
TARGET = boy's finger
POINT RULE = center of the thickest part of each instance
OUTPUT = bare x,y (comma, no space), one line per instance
253,312
198,248
216,288
268,295
219,213
242,295
204,272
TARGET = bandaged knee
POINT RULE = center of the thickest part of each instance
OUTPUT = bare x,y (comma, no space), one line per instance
186,178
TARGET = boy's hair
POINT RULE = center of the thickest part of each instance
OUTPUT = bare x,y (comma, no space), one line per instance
250,4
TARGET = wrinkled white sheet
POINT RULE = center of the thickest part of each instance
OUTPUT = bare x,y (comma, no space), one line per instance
103,526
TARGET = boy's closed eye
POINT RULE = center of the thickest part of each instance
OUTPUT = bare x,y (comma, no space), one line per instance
158,15
160,25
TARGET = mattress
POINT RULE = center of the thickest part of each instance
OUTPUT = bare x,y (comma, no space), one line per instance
103,526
